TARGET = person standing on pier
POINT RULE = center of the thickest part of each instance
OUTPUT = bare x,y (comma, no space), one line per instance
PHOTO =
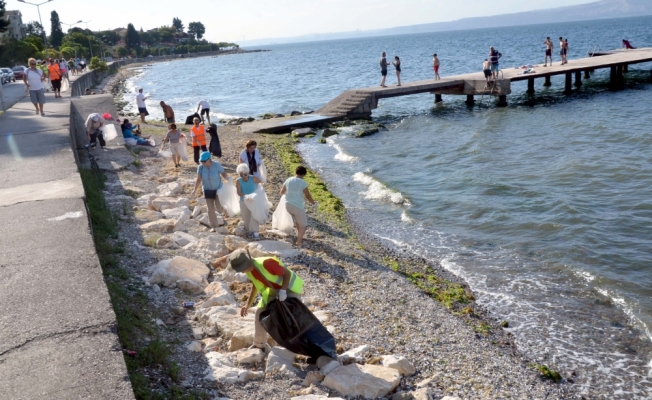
627,45
383,69
486,69
494,56
549,47
397,65
435,65
562,52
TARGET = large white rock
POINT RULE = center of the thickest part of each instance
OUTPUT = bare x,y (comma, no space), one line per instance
162,226
250,356
426,394
235,242
270,248
198,208
355,355
147,215
368,381
315,397
195,346
189,286
280,360
169,189
164,203
399,363
181,214
239,331
182,238
222,370
169,272
227,275
206,221
146,200
220,295
212,246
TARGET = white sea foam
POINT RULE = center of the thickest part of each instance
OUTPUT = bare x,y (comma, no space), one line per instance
406,218
378,191
341,155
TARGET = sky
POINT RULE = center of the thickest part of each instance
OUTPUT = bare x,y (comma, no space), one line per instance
236,21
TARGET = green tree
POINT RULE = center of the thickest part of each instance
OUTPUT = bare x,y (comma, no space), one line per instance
34,28
177,24
16,52
132,39
166,33
196,29
36,41
111,38
122,52
3,22
99,65
56,33
67,52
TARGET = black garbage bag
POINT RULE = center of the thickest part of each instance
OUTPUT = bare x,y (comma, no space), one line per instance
214,147
297,329
191,117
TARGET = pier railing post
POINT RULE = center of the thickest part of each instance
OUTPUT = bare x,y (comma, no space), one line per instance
568,88
530,85
578,78
547,82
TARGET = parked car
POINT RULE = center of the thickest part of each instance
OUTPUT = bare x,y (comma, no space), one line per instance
8,75
19,72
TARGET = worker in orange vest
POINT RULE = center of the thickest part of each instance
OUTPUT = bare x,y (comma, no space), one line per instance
198,135
55,77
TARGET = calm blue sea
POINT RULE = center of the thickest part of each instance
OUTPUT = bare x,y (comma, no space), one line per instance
544,207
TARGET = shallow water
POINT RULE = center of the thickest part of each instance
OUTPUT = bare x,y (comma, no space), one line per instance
544,207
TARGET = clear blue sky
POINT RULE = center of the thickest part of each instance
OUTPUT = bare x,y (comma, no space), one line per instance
260,19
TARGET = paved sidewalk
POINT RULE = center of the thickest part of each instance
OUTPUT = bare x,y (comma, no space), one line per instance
57,326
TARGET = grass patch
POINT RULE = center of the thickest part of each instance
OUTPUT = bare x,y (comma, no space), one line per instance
132,308
150,241
546,372
329,204
482,328
450,294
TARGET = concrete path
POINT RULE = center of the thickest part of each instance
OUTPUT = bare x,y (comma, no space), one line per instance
57,326
13,92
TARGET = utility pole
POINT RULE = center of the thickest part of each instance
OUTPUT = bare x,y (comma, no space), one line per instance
38,8
89,39
69,28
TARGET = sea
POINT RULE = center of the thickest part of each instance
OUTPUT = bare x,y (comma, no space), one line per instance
544,207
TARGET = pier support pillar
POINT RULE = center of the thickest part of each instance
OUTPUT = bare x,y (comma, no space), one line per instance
502,100
587,74
614,80
547,82
469,100
625,68
530,85
438,98
568,88
578,78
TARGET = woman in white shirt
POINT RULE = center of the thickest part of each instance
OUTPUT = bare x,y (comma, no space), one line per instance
251,156
33,79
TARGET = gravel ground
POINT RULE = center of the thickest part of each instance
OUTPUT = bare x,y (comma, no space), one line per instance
465,354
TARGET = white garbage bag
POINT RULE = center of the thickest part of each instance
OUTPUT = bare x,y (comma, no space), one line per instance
263,173
109,132
182,151
281,219
229,198
258,204
165,153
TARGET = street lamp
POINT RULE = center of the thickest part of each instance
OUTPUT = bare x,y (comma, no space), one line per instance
69,28
89,39
38,8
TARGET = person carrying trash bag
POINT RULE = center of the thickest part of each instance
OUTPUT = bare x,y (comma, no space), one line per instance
268,275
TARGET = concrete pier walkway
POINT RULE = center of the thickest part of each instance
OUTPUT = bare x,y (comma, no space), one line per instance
359,103
57,326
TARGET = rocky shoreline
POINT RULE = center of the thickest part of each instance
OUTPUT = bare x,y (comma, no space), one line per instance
385,307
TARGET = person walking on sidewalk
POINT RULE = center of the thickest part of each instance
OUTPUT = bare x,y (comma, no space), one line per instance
198,136
55,78
208,175
295,189
272,280
142,107
94,124
205,109
34,79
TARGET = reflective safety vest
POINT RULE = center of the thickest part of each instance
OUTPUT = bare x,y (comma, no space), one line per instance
55,73
198,135
295,285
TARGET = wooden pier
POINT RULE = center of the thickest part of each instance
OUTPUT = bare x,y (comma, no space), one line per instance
359,103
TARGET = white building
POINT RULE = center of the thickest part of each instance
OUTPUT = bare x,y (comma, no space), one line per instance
16,28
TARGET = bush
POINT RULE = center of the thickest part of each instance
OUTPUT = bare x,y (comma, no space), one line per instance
99,65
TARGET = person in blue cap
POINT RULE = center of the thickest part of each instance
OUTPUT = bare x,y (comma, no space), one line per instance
208,175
